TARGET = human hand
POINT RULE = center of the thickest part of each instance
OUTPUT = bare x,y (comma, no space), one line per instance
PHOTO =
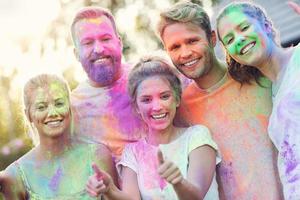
168,170
10,188
294,6
99,183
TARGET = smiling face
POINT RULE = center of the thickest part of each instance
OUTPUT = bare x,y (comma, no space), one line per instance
244,38
49,110
189,49
99,49
156,103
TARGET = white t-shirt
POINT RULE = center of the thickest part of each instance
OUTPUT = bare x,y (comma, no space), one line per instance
284,126
141,157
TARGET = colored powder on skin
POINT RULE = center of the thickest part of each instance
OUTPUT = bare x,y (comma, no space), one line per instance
95,20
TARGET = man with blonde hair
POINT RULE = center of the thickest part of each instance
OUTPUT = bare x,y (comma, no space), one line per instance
102,107
237,116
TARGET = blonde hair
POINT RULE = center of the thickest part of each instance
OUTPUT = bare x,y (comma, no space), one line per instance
185,12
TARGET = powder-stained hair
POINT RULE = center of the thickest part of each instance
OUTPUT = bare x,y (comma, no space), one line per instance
91,12
239,72
150,66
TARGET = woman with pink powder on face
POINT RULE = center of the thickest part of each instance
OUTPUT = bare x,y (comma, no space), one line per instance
170,162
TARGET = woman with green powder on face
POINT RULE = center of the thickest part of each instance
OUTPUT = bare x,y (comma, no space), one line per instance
58,166
252,52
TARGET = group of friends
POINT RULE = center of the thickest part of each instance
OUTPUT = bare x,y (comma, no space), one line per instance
134,132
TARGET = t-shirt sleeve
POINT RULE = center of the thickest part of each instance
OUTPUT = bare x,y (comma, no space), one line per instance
128,159
199,136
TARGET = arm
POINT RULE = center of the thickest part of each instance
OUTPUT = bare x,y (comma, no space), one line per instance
202,161
202,165
11,187
104,160
101,183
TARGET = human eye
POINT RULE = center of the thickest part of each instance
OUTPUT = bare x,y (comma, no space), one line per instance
245,27
174,47
192,41
86,42
40,107
59,103
228,40
145,100
106,38
165,96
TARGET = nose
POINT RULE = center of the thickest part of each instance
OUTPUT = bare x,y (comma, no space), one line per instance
98,47
185,52
52,112
156,105
240,39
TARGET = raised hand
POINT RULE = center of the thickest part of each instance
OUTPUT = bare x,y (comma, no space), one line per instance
99,183
294,6
10,188
168,170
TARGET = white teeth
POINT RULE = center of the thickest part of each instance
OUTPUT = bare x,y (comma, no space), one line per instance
101,60
247,48
160,116
53,123
190,63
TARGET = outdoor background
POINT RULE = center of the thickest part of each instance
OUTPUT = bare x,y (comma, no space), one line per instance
35,38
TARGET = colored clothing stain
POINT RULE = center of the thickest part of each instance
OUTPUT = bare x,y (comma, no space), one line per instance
237,118
142,158
284,126
105,115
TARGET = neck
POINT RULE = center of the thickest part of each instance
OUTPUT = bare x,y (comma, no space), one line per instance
165,136
275,63
214,75
51,148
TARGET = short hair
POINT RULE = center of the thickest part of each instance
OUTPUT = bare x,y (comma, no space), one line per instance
239,72
185,12
41,81
90,12
150,66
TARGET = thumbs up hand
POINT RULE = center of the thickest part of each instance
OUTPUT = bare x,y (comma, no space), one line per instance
294,6
168,170
99,183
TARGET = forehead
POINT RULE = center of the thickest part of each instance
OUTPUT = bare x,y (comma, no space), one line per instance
179,31
153,84
93,25
54,91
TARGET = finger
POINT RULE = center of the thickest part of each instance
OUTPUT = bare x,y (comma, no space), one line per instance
160,157
170,170
177,180
173,176
294,6
97,171
164,167
91,192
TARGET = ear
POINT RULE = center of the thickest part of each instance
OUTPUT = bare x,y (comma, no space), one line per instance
178,103
213,38
120,42
76,53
